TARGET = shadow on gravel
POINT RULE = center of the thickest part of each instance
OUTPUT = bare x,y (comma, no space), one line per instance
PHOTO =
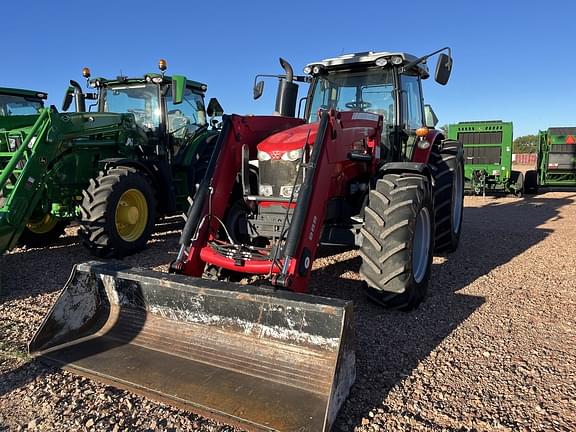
389,344
34,271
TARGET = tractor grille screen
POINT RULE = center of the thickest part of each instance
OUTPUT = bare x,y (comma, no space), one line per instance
482,155
472,138
279,174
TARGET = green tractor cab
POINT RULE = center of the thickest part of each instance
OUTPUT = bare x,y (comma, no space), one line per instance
134,154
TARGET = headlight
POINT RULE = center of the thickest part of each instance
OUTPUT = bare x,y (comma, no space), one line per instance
397,60
308,70
265,190
13,143
382,61
293,155
263,156
286,191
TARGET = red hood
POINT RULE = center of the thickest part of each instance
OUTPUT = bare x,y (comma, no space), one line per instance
289,139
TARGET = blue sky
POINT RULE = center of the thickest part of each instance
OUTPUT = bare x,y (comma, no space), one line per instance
511,62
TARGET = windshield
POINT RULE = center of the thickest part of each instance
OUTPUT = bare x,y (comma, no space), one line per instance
187,117
19,105
369,90
142,100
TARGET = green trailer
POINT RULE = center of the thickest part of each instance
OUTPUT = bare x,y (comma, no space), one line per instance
556,163
488,156
136,154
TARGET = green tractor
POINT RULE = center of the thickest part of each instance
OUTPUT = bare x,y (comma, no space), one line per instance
556,164
19,102
488,156
135,155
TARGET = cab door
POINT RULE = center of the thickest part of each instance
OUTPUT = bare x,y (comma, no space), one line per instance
412,109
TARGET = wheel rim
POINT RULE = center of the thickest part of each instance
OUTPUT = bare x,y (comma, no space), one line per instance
457,204
131,215
421,247
42,225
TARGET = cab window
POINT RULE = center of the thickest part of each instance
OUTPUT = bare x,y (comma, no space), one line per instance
187,117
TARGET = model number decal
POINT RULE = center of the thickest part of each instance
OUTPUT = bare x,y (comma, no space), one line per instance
312,228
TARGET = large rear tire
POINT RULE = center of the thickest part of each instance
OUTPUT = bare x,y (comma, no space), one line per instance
447,165
118,213
398,240
42,231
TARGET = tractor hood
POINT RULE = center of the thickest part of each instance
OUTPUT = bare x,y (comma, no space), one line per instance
290,139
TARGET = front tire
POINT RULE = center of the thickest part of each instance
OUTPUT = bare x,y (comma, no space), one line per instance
448,167
398,240
42,231
118,213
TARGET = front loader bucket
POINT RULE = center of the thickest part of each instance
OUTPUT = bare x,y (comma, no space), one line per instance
253,357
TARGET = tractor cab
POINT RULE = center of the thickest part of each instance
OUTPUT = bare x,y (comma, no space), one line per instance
384,83
20,102
170,111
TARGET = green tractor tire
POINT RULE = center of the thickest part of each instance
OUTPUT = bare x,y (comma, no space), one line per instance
42,231
118,213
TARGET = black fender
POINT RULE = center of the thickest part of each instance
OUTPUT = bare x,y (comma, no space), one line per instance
159,173
405,167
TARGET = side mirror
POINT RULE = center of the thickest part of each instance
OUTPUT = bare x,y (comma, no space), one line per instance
68,97
214,108
443,69
430,117
258,89
177,88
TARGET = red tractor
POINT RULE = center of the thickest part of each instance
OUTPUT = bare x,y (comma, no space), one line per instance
364,167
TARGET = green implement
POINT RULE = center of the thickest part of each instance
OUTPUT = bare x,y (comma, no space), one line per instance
556,163
488,156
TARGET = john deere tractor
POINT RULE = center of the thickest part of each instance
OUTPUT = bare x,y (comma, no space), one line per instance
135,154
19,102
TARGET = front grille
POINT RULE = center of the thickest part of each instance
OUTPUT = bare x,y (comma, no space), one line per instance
482,155
278,173
480,137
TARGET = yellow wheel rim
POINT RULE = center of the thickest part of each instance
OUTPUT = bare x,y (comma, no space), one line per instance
131,215
42,225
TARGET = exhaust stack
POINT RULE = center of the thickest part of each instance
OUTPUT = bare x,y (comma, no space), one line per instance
287,95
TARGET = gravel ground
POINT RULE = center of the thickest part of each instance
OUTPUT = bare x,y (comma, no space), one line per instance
492,348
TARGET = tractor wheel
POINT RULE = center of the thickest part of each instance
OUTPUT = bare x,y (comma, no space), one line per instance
531,182
118,213
42,231
398,240
517,183
448,168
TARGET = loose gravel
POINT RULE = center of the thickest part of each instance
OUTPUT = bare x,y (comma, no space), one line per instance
492,348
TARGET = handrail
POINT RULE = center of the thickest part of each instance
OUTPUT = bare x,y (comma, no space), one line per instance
7,171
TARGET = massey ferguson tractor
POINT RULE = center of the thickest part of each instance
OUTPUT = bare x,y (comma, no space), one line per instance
230,333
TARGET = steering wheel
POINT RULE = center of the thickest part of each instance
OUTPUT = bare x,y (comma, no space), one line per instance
361,105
